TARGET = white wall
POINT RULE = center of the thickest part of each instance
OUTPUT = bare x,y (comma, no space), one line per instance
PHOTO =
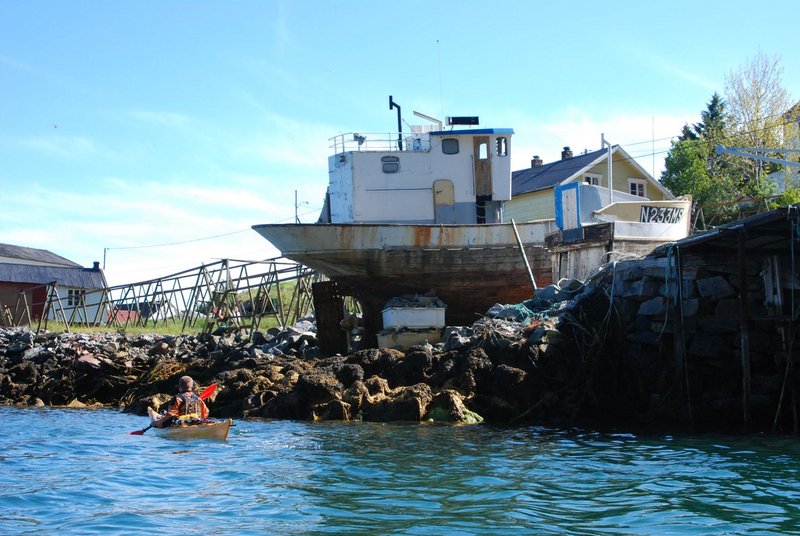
361,192
87,313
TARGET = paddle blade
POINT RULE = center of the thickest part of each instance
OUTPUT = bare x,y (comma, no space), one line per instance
208,391
142,431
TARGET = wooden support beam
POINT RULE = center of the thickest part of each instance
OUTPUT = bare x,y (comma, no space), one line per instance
524,257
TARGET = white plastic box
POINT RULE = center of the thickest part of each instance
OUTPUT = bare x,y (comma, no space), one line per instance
413,317
403,340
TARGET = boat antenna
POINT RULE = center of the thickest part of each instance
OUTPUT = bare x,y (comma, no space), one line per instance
439,59
429,118
392,105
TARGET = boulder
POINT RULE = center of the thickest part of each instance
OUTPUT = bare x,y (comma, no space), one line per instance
448,406
319,386
333,410
407,403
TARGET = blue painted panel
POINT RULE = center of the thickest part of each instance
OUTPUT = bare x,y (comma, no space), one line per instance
476,131
559,206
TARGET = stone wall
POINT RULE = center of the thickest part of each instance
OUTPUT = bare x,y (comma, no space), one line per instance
678,356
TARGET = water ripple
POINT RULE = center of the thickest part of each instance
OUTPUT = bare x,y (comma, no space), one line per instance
80,472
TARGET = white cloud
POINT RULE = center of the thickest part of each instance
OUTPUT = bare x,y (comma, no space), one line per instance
165,119
672,70
285,140
282,34
644,137
62,146
147,229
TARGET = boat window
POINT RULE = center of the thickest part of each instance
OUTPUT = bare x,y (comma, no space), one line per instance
502,146
391,164
450,145
483,151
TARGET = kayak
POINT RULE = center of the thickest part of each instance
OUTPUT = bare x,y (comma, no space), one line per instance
202,430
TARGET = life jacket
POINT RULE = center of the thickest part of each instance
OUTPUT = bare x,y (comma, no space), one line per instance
190,409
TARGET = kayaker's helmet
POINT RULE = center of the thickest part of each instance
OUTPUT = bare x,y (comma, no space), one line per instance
186,383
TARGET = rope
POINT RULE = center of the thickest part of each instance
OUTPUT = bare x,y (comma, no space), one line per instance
671,291
790,346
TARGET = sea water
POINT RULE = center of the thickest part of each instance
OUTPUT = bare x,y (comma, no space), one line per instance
81,472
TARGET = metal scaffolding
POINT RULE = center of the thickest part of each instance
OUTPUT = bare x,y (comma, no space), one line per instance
230,294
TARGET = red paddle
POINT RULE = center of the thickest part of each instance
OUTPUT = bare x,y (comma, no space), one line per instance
208,391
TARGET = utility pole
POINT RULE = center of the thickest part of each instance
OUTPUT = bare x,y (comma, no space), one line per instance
610,170
297,206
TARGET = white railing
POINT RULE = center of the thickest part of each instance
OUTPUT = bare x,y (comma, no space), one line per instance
381,141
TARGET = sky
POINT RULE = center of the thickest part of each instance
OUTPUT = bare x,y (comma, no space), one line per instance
150,136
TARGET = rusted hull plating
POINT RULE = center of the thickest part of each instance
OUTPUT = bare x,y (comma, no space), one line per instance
470,267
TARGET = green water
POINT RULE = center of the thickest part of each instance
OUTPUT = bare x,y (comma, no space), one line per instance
80,472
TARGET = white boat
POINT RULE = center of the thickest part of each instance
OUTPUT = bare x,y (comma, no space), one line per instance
469,267
420,212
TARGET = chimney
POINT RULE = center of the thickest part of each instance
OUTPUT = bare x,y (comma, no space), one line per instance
96,266
566,153
536,161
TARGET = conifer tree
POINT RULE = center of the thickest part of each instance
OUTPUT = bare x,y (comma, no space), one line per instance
692,166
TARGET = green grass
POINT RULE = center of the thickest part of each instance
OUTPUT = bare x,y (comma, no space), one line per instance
162,327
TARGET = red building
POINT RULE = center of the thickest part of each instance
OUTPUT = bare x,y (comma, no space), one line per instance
26,274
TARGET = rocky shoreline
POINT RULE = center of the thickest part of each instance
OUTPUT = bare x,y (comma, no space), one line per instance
571,356
514,366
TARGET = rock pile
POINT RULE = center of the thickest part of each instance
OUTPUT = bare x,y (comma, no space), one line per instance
623,348
517,364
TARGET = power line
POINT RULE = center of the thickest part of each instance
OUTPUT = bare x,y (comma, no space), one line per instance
177,243
732,125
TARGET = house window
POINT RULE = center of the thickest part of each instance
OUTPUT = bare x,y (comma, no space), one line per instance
502,146
637,187
75,297
591,178
391,164
450,145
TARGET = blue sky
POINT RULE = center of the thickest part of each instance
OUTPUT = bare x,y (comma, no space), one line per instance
157,133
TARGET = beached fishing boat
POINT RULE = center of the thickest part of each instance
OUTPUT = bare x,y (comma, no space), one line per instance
421,212
426,211
202,430
469,267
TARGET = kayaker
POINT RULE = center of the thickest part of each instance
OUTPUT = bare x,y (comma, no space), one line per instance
186,406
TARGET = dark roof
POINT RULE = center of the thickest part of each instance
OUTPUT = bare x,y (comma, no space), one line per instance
64,276
551,175
769,232
35,255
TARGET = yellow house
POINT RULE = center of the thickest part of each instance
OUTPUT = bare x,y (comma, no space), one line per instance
533,190
591,222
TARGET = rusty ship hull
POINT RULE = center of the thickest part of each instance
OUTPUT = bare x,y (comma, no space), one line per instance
469,267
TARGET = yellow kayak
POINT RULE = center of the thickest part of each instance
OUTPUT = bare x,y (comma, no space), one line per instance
203,430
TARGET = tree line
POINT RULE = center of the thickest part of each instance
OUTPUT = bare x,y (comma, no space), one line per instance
756,112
